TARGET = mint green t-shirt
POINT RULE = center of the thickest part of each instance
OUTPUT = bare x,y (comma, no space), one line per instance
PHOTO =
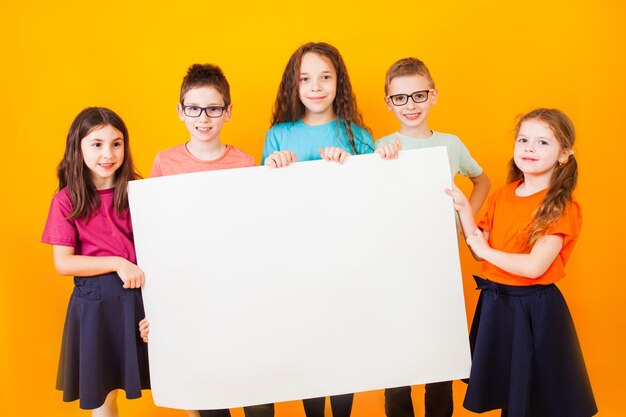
458,155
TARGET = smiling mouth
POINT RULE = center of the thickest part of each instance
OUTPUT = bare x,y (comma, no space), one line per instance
412,116
204,129
107,165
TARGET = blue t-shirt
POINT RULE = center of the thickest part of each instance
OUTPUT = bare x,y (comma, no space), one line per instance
305,141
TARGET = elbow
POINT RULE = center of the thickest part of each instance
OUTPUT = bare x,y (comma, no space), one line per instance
534,271
62,268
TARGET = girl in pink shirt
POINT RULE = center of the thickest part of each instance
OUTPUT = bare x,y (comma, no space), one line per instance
90,229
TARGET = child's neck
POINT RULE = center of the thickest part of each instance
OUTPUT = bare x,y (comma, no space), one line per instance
317,119
206,151
420,132
103,184
533,184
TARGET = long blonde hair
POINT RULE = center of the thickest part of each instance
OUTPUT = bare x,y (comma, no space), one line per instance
564,179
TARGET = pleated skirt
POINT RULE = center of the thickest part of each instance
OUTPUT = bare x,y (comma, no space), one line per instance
101,349
526,358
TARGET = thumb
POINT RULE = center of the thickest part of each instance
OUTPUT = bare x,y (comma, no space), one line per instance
398,143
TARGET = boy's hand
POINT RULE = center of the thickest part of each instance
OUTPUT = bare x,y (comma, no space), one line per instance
390,151
460,200
279,159
331,153
144,330
130,274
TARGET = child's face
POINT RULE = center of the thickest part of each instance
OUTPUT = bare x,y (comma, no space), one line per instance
411,115
103,153
537,150
318,86
203,129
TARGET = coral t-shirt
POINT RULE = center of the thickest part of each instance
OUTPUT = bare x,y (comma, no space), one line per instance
178,160
506,219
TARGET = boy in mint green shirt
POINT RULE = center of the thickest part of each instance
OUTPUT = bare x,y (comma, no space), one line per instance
410,94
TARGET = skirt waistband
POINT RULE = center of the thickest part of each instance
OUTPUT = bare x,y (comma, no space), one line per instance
99,287
511,290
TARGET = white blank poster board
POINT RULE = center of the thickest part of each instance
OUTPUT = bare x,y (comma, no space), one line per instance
267,285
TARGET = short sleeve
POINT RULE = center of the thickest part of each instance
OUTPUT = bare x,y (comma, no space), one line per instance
156,167
271,145
60,230
249,162
568,226
468,165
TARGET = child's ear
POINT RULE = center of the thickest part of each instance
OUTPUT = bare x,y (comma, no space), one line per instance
564,156
179,110
388,103
228,112
433,96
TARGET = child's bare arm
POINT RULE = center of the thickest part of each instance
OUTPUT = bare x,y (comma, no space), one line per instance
466,215
480,191
530,265
67,263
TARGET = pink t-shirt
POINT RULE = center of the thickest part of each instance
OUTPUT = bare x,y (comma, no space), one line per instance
103,234
178,160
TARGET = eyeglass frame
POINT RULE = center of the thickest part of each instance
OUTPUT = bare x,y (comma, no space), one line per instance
411,97
205,110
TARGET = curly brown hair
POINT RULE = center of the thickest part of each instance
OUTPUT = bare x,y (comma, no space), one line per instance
289,108
74,174
564,179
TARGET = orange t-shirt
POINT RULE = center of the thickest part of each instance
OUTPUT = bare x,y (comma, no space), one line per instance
178,160
507,216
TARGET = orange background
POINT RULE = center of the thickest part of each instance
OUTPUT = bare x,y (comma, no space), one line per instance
491,61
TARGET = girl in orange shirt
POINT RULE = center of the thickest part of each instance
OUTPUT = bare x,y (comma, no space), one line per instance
526,355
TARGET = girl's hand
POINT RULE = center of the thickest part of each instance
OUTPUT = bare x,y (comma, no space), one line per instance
390,151
279,159
130,274
460,200
478,243
331,153
144,329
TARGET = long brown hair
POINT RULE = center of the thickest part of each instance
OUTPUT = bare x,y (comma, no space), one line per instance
565,176
289,108
74,174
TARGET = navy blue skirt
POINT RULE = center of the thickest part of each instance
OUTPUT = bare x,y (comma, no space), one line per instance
526,358
101,349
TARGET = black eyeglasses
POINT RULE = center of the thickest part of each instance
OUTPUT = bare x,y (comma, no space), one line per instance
418,97
211,111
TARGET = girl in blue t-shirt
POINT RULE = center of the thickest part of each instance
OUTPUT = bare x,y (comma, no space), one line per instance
315,114
316,117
